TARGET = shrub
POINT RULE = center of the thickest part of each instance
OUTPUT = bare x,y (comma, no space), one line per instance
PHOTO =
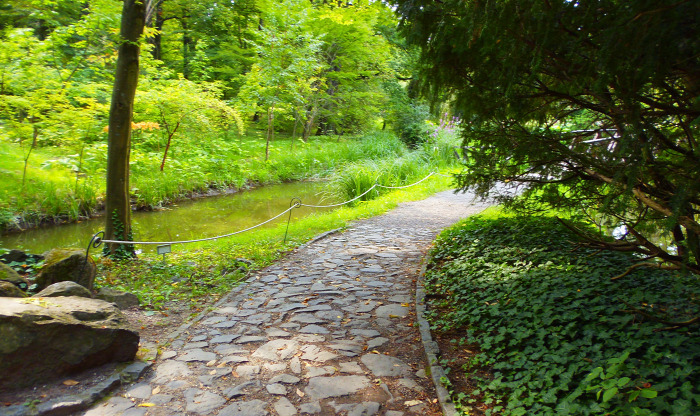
557,335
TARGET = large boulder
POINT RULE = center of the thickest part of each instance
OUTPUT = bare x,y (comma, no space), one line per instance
66,288
63,264
43,338
8,290
19,256
123,300
8,274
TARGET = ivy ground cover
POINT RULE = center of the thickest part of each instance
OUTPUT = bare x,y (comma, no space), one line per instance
552,334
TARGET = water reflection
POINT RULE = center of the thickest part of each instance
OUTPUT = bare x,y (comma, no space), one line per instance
188,220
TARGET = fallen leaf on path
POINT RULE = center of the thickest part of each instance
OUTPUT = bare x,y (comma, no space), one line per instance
71,382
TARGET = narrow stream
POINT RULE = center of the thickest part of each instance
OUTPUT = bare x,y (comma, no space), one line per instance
187,220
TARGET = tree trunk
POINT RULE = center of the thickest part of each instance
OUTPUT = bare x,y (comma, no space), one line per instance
270,130
35,135
186,47
118,206
155,20
309,123
167,145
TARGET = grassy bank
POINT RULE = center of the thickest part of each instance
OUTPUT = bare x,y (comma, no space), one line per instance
538,327
200,274
64,184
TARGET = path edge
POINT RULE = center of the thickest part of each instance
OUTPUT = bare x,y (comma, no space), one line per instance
430,347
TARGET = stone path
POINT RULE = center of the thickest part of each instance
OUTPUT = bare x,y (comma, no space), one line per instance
329,330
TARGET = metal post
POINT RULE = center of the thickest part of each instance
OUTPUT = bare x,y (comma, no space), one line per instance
292,204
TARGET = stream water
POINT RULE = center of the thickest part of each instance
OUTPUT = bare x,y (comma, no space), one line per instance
187,220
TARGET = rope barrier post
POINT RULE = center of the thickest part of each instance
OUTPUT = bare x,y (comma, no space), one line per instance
95,242
292,204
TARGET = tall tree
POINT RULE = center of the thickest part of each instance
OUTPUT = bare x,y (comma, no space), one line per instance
287,63
588,105
118,204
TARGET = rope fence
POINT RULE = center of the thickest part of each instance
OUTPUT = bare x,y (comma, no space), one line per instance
97,240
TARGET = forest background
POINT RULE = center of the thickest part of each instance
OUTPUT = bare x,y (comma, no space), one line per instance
229,94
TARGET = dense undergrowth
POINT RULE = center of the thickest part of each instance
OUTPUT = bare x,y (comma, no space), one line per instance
554,333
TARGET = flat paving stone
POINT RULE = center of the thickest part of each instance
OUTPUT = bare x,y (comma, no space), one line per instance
202,402
395,310
246,408
284,407
170,370
337,386
197,355
385,366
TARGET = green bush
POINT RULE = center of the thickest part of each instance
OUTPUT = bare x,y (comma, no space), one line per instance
556,334
411,125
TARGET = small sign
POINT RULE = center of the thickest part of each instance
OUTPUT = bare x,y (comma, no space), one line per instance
164,249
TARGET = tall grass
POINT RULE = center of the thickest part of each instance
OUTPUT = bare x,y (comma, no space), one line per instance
49,192
192,166
393,170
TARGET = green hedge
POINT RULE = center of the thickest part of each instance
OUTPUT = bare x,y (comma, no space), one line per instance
557,336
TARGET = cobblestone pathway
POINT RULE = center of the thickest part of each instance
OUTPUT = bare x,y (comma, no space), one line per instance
329,330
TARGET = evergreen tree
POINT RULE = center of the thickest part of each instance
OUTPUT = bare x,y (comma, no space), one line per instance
588,105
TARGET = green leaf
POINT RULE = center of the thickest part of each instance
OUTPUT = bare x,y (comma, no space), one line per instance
609,394
633,396
623,381
649,393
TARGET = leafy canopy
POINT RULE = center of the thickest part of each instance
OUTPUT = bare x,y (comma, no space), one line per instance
588,105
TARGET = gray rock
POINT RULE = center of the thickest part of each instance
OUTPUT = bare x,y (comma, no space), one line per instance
337,386
140,391
197,354
313,329
202,402
248,339
385,366
394,310
284,407
306,318
276,389
241,389
359,409
247,370
169,370
249,408
223,339
192,345
377,342
123,300
67,264
9,290
350,367
276,350
315,353
8,274
277,333
66,288
18,256
113,407
312,408
45,338
285,379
